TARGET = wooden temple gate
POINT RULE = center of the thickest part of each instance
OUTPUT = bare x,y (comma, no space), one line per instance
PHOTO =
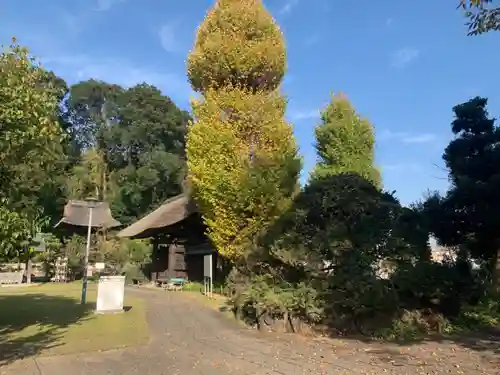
178,238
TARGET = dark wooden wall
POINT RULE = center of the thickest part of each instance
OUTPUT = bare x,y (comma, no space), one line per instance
195,267
178,251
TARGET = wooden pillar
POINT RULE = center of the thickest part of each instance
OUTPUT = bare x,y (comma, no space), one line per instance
171,260
215,266
154,260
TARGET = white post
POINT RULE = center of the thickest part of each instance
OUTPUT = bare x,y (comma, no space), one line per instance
211,276
86,259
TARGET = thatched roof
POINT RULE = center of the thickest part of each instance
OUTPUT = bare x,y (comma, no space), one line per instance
76,213
171,212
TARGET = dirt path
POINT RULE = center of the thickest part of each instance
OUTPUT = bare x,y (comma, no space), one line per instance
190,339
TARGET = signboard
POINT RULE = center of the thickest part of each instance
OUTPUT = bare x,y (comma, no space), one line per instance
207,266
110,294
100,266
207,273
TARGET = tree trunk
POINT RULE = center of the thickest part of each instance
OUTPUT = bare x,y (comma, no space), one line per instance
495,268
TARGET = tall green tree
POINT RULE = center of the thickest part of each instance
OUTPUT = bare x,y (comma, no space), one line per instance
242,157
483,16
345,142
91,108
32,158
133,142
467,214
31,137
147,120
145,151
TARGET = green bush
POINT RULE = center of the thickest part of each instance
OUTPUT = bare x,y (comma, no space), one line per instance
484,315
413,325
132,271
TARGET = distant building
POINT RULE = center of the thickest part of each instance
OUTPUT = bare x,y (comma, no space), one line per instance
441,253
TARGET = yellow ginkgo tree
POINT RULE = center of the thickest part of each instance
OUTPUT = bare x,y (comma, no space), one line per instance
242,157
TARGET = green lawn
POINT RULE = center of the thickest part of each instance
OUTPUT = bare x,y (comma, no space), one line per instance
49,320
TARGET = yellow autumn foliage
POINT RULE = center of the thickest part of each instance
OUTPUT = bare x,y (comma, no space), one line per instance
241,154
238,43
227,149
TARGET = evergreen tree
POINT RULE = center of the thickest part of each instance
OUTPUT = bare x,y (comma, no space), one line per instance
242,158
467,215
345,142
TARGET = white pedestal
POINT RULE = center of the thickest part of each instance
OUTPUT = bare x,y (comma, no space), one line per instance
110,294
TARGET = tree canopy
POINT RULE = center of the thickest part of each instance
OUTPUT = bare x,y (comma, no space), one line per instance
132,141
238,44
468,213
345,142
242,157
30,146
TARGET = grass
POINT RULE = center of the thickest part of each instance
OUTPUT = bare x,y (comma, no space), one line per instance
195,286
49,320
218,301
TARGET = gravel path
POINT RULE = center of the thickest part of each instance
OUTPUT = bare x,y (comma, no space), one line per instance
188,338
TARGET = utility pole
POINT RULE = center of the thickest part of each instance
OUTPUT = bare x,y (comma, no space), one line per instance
91,203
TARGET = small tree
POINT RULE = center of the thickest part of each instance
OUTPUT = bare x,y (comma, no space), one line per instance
87,177
14,230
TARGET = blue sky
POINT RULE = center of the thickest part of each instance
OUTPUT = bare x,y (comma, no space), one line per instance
403,64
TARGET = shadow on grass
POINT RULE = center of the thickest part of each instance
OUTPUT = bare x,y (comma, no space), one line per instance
32,323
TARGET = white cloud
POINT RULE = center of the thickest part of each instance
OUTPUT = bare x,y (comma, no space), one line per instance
406,137
386,135
81,67
406,167
419,138
104,5
404,56
167,38
303,115
288,6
